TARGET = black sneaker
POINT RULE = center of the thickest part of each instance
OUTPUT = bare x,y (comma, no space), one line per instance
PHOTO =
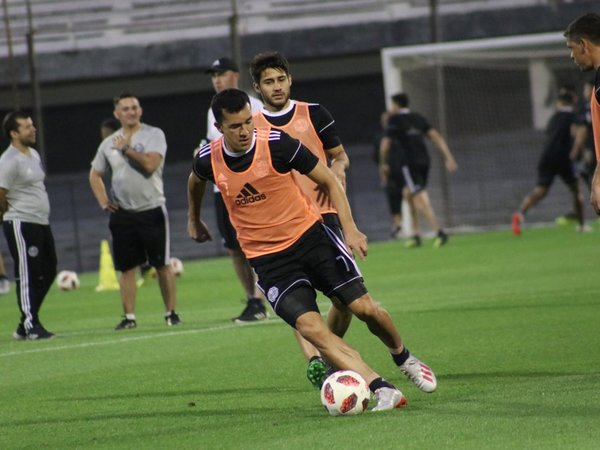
255,310
173,319
125,324
413,242
20,334
440,240
39,332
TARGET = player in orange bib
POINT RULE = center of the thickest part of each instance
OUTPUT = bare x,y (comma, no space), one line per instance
291,251
314,126
583,39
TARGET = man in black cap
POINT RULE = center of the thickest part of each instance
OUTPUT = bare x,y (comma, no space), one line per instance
225,74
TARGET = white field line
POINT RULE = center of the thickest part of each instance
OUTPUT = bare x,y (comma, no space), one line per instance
135,338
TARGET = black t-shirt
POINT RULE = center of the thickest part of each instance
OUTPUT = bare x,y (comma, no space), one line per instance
409,130
287,153
558,135
319,116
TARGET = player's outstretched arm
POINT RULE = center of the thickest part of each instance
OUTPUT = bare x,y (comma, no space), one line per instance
355,239
197,229
441,144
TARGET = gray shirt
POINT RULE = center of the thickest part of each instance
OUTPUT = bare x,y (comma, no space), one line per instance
132,188
23,177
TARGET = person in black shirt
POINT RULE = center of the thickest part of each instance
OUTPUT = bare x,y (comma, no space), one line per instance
557,159
410,129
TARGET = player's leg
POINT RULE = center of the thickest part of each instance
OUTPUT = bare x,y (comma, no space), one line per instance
570,179
412,186
4,283
336,273
24,241
154,233
128,254
255,308
49,262
299,309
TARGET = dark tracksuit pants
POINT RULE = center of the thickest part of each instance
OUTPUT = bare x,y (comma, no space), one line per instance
32,248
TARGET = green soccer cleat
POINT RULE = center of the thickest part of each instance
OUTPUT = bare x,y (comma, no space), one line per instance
316,372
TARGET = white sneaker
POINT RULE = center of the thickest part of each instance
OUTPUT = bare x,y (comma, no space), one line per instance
420,374
388,398
4,286
584,228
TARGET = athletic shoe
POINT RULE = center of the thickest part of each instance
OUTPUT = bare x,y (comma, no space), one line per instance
396,232
20,334
388,398
440,240
517,219
173,319
4,285
126,324
413,242
420,374
39,332
316,372
254,311
585,228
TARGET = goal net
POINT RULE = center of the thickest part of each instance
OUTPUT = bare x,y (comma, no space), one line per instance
491,99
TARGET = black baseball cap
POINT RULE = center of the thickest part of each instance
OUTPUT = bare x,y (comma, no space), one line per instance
222,65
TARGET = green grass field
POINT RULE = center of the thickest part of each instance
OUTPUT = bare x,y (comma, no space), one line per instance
511,327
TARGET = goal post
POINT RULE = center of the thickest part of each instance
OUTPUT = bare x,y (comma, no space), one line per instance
491,98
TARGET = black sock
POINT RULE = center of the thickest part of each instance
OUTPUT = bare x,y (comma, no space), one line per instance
401,358
314,357
379,383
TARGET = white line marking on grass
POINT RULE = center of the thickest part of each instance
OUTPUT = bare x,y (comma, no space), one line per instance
138,338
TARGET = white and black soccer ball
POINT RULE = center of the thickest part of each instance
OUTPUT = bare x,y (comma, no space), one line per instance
176,266
67,280
345,393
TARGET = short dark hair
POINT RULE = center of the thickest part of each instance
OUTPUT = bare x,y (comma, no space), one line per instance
401,99
121,96
586,26
268,60
567,97
10,121
111,123
230,100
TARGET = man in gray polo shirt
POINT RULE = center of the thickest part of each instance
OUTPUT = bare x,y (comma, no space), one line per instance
138,222
24,213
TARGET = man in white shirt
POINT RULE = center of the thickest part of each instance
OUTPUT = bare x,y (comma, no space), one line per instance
225,74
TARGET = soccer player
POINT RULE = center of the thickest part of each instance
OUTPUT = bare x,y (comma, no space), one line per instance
583,39
138,221
557,159
409,129
225,74
24,212
314,127
280,231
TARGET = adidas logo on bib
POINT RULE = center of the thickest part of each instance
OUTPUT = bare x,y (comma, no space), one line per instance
249,195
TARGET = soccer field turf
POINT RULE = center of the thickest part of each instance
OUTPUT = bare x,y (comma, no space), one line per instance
510,325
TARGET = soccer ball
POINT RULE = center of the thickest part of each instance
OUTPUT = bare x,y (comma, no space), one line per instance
176,266
345,393
67,280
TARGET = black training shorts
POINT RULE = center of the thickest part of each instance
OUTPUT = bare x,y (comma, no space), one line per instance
319,259
139,237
